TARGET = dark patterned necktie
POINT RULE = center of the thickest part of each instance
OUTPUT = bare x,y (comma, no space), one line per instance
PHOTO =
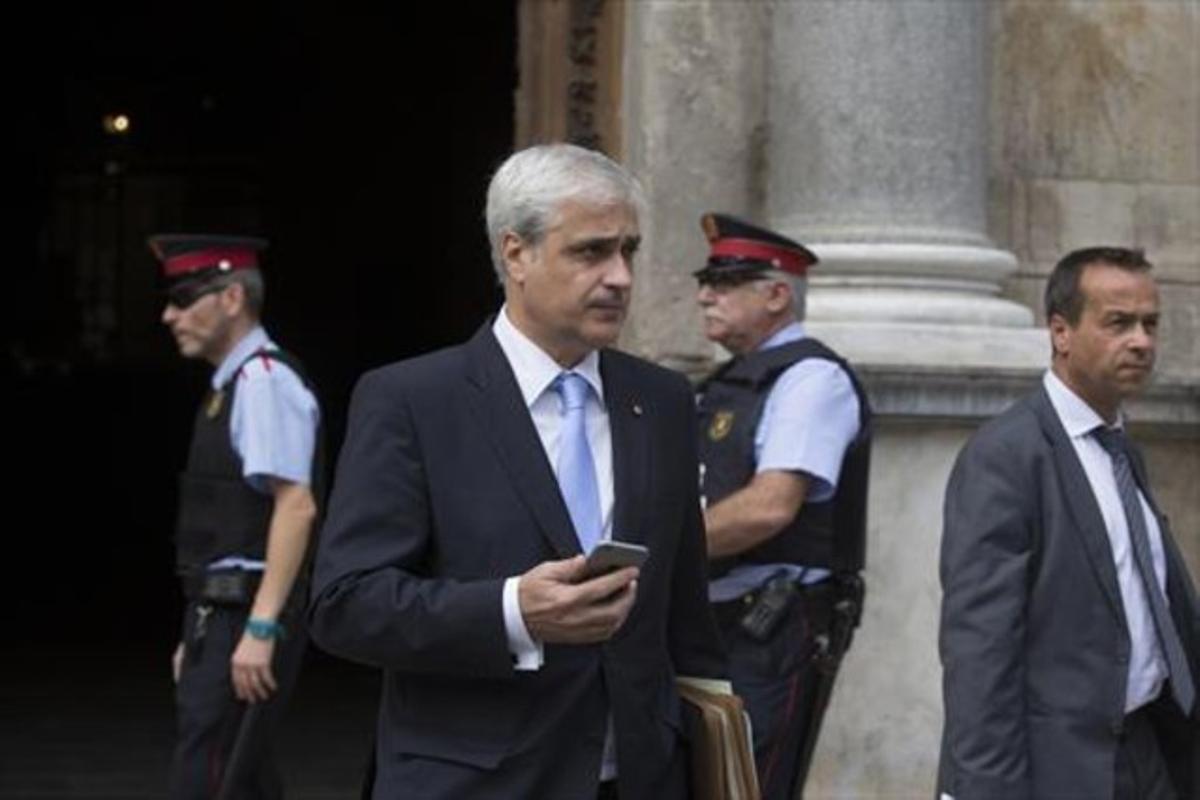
1113,441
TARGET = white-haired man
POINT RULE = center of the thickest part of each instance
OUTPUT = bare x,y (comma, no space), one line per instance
785,445
472,480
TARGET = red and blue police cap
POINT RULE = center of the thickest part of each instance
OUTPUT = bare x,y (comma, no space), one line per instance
186,256
739,250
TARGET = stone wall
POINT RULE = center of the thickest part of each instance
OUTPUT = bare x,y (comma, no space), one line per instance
1095,139
1091,134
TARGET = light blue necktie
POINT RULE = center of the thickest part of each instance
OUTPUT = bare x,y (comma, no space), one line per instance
576,470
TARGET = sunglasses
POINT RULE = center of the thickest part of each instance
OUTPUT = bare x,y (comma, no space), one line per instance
728,280
183,295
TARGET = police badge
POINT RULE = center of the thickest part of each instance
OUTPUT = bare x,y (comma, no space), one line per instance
722,423
214,404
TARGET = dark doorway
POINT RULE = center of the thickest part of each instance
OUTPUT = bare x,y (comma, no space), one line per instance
360,145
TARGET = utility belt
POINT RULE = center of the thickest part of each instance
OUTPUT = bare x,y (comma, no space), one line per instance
221,587
832,609
816,593
759,613
230,592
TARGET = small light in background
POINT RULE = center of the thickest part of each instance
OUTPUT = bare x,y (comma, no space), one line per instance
116,124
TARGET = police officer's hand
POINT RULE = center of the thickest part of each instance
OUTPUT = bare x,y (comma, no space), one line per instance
558,605
250,669
177,662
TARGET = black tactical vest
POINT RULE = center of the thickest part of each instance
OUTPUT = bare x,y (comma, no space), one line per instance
830,534
219,514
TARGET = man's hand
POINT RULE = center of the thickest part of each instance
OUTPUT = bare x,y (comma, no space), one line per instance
177,662
250,669
557,607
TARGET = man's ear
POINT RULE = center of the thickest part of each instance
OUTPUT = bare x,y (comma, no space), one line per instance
1060,334
517,254
779,296
233,299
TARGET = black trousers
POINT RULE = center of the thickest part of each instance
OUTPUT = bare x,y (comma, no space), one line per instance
777,680
1142,769
224,747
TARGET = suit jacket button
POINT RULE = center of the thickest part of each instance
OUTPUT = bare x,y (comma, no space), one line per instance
1117,727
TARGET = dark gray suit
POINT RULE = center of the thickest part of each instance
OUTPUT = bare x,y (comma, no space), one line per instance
1034,642
443,490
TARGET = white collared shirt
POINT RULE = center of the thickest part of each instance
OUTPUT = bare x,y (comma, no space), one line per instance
1147,668
535,372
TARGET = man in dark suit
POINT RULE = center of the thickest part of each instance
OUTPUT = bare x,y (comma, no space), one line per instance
471,481
1070,635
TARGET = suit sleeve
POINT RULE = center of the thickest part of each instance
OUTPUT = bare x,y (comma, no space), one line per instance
987,550
373,599
695,645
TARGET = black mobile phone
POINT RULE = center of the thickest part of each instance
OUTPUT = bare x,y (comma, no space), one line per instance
610,555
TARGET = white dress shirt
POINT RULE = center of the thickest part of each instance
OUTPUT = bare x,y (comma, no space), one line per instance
535,371
1147,668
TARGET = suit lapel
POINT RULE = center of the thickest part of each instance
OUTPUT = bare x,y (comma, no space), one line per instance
627,411
1079,497
496,400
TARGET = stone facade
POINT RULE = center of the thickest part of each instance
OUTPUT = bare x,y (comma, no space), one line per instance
1095,137
939,156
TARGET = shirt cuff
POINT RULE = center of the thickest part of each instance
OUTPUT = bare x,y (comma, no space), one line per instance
528,655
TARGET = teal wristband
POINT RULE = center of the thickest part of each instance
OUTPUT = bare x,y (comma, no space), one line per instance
264,629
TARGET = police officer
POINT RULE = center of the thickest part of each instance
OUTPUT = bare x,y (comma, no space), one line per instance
784,446
247,508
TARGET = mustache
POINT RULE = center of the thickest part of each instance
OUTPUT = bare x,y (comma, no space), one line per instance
616,300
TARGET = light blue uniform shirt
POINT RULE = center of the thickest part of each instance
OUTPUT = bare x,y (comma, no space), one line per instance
272,424
809,420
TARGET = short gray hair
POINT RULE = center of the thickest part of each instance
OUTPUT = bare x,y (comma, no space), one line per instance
252,284
527,189
797,283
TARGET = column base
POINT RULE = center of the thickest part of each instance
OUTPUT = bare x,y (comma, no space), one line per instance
913,284
964,349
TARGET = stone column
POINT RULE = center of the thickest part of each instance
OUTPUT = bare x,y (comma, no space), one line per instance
877,149
693,110
860,127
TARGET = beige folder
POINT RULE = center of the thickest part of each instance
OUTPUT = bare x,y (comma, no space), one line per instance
722,758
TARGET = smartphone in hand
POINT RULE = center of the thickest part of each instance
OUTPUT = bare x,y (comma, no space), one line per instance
611,555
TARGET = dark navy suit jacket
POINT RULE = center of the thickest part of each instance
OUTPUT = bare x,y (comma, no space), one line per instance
443,490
